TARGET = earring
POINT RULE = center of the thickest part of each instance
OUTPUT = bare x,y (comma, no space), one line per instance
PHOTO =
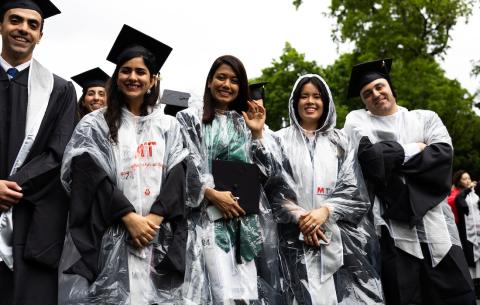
149,91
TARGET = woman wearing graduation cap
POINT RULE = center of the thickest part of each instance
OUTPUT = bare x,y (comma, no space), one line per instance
123,168
94,95
228,246
322,238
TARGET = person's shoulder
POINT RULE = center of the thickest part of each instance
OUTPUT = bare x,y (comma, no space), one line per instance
338,137
94,124
282,132
94,118
339,133
186,112
190,114
164,120
424,114
59,81
61,84
355,116
357,113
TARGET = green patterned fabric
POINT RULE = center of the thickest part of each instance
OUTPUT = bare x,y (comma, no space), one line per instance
250,238
226,139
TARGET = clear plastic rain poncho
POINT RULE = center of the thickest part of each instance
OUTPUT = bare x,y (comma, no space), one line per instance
316,171
148,147
437,227
213,275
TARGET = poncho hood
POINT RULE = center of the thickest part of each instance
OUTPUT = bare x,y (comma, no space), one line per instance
330,119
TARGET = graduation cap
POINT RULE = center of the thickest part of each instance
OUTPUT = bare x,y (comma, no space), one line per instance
242,179
175,101
44,7
95,77
367,72
132,40
257,91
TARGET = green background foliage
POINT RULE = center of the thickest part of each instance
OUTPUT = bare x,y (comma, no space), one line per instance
415,33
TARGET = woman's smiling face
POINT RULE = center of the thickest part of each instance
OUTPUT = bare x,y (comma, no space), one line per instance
310,106
224,86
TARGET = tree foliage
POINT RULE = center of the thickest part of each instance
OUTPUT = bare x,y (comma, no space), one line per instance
404,29
416,34
476,68
281,76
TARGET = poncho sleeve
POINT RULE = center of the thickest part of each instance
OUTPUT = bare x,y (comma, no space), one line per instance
346,201
279,186
411,189
198,177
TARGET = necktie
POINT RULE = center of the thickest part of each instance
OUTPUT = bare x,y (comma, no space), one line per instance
12,72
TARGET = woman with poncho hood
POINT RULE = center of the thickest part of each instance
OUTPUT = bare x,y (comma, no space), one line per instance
325,240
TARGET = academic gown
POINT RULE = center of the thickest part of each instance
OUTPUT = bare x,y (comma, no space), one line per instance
40,217
98,204
422,262
464,211
144,173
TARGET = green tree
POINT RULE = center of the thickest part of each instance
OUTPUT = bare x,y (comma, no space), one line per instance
281,76
404,29
416,34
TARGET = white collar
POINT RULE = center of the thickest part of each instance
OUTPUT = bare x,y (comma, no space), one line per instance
5,65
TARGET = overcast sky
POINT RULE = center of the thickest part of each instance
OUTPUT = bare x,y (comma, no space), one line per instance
201,30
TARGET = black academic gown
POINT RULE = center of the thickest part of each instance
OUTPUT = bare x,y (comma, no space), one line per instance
462,208
97,204
408,191
40,217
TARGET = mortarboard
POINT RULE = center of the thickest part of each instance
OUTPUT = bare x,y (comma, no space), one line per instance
44,7
95,77
367,72
242,179
130,39
257,91
175,101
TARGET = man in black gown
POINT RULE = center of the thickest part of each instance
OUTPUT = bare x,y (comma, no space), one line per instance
37,117
405,158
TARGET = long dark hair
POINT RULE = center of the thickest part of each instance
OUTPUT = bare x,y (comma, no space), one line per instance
457,176
116,100
81,109
240,103
323,95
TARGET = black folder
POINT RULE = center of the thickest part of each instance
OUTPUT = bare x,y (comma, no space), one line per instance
242,179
